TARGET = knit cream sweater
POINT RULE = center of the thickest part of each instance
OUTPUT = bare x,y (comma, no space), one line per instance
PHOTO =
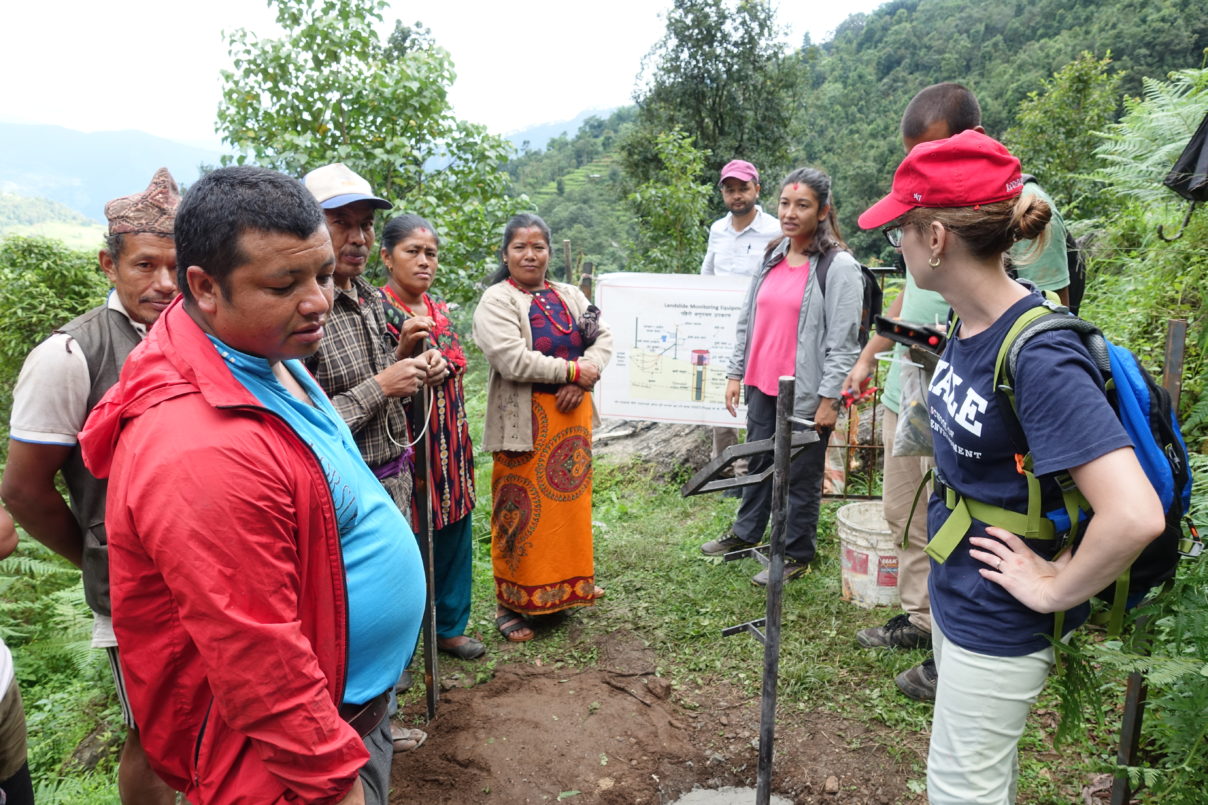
502,332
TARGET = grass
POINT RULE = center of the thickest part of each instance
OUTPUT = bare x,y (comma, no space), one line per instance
678,601
647,540
659,586
74,236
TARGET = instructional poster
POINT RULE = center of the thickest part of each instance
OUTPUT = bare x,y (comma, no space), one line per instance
674,334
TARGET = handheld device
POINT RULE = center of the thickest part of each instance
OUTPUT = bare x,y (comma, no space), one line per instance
912,335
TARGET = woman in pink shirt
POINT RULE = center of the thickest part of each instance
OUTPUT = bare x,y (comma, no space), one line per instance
801,319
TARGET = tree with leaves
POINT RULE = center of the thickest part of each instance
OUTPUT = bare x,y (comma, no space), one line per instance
1058,128
722,75
670,207
331,90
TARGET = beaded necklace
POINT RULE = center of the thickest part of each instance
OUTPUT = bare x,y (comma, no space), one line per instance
548,313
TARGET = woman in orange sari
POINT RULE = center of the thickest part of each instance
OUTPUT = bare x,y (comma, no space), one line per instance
546,347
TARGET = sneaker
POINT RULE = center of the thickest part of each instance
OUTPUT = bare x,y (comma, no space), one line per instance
919,682
730,542
792,570
899,632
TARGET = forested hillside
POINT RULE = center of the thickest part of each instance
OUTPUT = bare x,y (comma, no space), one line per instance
856,85
576,184
20,215
847,96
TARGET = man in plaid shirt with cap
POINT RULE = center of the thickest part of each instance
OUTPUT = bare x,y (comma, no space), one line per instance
356,364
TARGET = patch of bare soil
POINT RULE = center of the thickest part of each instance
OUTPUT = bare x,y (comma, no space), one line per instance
617,735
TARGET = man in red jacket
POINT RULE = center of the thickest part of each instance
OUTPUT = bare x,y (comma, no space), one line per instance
258,633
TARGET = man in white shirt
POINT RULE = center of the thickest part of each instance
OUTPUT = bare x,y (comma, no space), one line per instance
737,241
736,247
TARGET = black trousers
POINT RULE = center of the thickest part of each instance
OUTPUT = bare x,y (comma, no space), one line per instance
805,484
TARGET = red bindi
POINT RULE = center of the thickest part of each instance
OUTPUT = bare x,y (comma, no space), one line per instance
795,186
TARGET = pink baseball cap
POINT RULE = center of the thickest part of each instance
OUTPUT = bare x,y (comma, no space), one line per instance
739,169
964,170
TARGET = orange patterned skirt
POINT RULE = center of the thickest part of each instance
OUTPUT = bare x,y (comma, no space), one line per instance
541,542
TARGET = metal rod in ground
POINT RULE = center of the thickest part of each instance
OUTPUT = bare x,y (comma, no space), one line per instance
423,533
771,643
1136,693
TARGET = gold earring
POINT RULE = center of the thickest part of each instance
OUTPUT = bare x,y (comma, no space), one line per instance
934,262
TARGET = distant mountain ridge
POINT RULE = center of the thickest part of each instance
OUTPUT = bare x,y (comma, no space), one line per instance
85,170
537,137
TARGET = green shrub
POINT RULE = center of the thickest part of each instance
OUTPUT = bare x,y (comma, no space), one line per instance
43,285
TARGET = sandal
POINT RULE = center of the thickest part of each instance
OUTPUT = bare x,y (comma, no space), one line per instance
467,649
509,623
406,740
597,593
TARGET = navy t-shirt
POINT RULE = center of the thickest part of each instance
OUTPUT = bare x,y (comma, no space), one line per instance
1066,421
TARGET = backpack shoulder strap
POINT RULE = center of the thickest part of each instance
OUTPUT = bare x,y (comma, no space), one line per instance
1034,321
824,263
1046,319
1011,345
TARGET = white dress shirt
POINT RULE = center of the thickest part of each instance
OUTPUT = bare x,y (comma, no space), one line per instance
739,252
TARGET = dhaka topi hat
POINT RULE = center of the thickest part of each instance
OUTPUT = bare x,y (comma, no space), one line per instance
153,211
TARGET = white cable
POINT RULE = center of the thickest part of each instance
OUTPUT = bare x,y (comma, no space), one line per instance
889,357
423,430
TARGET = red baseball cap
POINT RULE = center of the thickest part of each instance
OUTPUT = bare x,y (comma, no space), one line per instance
962,171
739,169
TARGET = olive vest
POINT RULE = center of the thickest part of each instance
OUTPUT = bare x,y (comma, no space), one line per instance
106,337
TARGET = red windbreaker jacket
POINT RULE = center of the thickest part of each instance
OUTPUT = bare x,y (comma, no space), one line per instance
227,579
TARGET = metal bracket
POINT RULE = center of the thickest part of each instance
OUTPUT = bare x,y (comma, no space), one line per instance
753,627
707,478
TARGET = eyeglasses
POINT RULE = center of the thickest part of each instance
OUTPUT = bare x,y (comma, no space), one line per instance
893,234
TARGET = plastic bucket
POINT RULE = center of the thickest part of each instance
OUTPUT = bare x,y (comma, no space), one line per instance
869,556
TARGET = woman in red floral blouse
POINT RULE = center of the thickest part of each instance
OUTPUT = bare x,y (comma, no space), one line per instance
410,250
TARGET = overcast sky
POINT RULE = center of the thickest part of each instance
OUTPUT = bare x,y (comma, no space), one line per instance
153,65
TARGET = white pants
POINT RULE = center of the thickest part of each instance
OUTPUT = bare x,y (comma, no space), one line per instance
981,706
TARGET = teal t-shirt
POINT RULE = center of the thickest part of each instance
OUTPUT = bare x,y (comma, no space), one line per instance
382,567
1047,271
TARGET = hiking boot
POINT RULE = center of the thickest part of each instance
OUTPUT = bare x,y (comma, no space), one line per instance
730,542
792,570
898,632
919,682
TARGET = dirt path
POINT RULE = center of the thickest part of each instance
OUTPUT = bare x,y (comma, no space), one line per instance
617,735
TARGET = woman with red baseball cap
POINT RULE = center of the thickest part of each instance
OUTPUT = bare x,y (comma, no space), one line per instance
954,209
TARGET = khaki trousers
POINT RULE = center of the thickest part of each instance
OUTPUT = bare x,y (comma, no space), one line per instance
723,438
901,481
981,708
12,732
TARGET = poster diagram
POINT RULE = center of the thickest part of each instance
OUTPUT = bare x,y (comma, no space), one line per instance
674,334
